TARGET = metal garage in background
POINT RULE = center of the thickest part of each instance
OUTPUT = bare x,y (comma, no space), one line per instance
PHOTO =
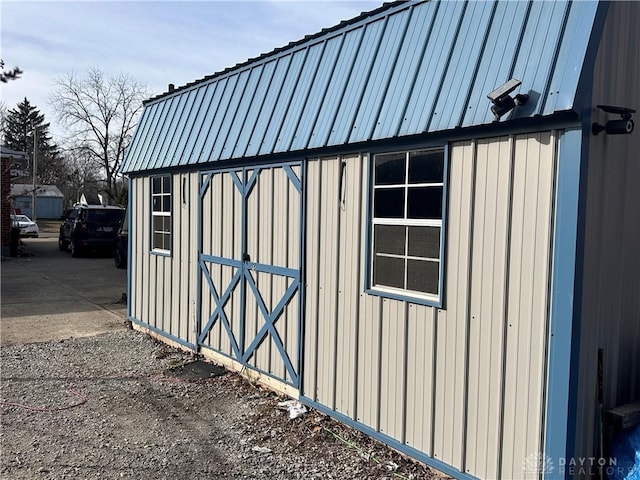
422,221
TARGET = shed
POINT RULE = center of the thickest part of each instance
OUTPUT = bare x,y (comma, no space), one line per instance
49,200
352,221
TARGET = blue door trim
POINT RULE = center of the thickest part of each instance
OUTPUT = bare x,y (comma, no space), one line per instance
219,312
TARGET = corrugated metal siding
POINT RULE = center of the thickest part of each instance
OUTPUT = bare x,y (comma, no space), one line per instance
411,68
611,283
465,383
168,302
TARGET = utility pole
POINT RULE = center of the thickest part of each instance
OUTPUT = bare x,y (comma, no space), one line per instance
34,213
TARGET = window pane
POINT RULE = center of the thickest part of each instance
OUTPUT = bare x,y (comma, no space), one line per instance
388,272
156,184
424,242
166,184
390,169
422,276
158,224
166,203
157,204
388,203
425,202
166,224
157,240
426,166
166,241
389,239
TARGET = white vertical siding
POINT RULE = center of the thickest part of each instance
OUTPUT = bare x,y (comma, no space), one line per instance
451,321
527,309
611,281
490,246
463,383
163,288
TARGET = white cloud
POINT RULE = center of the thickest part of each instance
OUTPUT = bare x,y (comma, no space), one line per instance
155,42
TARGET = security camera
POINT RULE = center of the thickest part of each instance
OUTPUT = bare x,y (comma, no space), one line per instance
624,126
619,127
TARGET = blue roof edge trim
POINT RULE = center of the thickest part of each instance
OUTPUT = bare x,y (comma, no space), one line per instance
421,67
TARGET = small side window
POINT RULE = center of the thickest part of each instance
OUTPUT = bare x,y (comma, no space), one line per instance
161,200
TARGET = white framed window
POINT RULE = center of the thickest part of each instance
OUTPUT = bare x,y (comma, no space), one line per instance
407,212
161,213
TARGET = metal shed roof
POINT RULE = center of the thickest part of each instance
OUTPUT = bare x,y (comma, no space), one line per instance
404,69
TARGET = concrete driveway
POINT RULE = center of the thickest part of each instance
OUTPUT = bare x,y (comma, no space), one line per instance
51,296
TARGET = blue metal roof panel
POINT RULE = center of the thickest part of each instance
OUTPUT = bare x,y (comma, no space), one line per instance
537,53
562,90
212,125
433,68
204,111
317,93
357,82
169,139
266,114
289,84
300,95
404,69
240,116
186,126
137,140
215,144
461,68
243,136
496,61
379,77
335,89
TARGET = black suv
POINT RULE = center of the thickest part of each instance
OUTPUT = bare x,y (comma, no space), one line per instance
90,227
121,247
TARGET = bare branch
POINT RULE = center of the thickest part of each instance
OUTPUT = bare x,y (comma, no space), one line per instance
101,114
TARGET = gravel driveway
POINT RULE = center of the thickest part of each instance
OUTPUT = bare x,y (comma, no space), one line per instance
114,409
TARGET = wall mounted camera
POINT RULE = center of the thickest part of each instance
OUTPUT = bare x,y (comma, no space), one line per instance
502,100
623,126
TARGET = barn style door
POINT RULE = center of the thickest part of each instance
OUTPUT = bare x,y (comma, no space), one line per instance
250,267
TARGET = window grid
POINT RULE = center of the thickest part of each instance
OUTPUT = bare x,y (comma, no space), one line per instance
161,213
405,222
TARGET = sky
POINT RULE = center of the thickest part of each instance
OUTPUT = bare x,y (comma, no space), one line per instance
155,42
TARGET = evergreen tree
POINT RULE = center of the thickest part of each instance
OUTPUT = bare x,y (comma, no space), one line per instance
18,131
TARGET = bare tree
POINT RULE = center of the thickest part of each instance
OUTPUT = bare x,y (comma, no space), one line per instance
82,174
101,115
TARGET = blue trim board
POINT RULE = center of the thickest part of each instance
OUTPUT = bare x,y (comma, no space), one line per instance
129,244
302,249
393,443
162,333
564,325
